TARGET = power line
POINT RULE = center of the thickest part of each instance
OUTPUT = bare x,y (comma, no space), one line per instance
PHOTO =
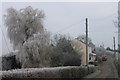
97,20
4,39
70,26
104,18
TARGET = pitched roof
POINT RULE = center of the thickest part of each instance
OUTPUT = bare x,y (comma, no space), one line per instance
90,43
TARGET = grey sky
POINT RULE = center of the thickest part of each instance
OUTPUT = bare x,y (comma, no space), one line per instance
69,18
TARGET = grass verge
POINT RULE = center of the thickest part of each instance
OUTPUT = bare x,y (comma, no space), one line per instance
93,74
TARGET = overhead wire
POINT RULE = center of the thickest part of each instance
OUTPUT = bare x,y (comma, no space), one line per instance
106,17
97,20
70,26
4,39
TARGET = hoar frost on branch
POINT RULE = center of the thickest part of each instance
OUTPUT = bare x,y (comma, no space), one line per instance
27,34
23,24
37,51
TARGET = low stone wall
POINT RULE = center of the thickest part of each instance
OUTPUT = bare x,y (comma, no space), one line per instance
54,72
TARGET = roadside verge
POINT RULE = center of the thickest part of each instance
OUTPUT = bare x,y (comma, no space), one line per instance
92,75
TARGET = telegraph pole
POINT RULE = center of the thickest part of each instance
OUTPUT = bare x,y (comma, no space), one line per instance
86,41
114,45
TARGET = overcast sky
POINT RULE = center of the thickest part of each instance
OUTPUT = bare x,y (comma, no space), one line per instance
69,18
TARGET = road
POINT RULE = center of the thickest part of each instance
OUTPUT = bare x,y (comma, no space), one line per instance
108,69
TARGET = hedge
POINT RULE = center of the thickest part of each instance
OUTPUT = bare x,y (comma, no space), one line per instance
53,72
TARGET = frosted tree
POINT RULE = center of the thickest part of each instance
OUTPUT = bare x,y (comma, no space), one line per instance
35,52
28,36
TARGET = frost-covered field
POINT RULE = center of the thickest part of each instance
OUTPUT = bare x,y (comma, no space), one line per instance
54,72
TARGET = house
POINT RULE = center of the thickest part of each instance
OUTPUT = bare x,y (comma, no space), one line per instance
80,47
92,54
92,58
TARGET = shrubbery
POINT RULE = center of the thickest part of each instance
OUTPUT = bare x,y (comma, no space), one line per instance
58,72
63,53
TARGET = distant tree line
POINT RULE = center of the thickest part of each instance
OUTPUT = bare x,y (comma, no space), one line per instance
109,49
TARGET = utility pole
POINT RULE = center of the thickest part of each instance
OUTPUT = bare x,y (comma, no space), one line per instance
114,45
86,41
119,27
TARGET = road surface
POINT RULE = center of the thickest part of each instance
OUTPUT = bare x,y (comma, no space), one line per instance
108,69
